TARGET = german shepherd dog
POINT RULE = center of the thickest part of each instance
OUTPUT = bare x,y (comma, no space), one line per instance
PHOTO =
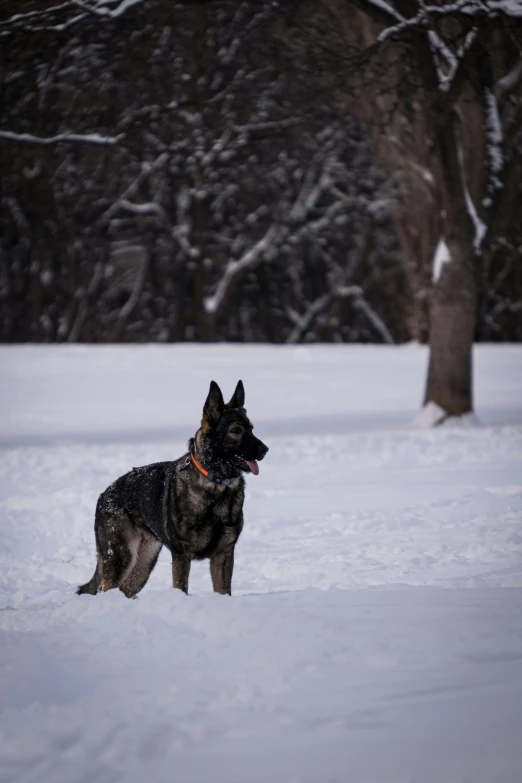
193,506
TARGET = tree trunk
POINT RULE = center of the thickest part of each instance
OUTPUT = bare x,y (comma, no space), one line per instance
454,299
452,326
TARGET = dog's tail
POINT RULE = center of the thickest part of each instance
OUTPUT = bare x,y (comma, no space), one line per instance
92,586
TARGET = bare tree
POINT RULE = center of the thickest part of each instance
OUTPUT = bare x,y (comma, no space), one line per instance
459,65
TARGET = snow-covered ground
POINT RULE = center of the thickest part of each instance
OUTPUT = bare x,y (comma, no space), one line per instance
339,657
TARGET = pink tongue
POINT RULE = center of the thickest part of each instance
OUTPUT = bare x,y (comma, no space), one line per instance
254,467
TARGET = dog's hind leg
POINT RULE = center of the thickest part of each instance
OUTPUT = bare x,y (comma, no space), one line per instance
117,542
147,554
92,586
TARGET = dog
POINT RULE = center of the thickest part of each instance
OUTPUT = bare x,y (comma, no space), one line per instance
193,506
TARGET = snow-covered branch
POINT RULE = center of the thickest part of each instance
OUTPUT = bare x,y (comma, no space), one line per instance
247,261
61,16
494,148
304,322
149,208
478,224
386,10
403,24
445,61
447,80
84,138
316,226
183,228
311,189
102,7
509,81
53,18
18,19
146,170
374,318
478,8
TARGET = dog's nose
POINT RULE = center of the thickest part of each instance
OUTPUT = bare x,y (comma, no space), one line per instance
264,449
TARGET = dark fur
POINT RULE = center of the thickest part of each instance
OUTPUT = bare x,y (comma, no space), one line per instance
157,505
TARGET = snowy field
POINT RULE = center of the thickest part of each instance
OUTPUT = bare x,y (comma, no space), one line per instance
375,631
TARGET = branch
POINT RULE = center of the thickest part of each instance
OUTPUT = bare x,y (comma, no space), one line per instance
264,126
315,226
475,8
146,170
509,81
441,52
376,321
132,301
100,7
495,138
451,77
84,304
183,228
16,19
48,18
305,321
89,138
379,10
248,260
150,208
403,24
480,227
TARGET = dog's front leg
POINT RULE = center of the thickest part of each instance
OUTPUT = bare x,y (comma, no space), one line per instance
221,567
180,572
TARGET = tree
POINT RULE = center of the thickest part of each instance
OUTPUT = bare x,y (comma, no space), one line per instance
457,64
175,178
177,171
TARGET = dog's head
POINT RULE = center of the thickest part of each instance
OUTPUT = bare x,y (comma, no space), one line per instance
228,433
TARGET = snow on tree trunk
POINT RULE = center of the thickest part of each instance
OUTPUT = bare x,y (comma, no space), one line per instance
455,296
452,326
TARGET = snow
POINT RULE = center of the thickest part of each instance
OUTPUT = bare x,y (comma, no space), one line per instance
374,632
430,415
441,256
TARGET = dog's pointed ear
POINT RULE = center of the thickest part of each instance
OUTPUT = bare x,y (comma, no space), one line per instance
238,398
213,407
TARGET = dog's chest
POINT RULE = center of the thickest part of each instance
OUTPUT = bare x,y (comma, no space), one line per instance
206,521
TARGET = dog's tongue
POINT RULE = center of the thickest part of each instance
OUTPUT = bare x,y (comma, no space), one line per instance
254,467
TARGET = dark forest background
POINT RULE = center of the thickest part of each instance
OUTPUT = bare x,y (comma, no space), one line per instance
238,172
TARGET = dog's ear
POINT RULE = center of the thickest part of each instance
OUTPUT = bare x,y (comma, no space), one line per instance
213,407
238,398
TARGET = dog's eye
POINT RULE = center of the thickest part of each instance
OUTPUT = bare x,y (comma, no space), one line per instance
236,430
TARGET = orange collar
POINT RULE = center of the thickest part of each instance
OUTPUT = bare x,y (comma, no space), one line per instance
199,467
211,476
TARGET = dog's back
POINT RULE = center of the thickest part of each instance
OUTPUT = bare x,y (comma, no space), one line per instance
142,497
